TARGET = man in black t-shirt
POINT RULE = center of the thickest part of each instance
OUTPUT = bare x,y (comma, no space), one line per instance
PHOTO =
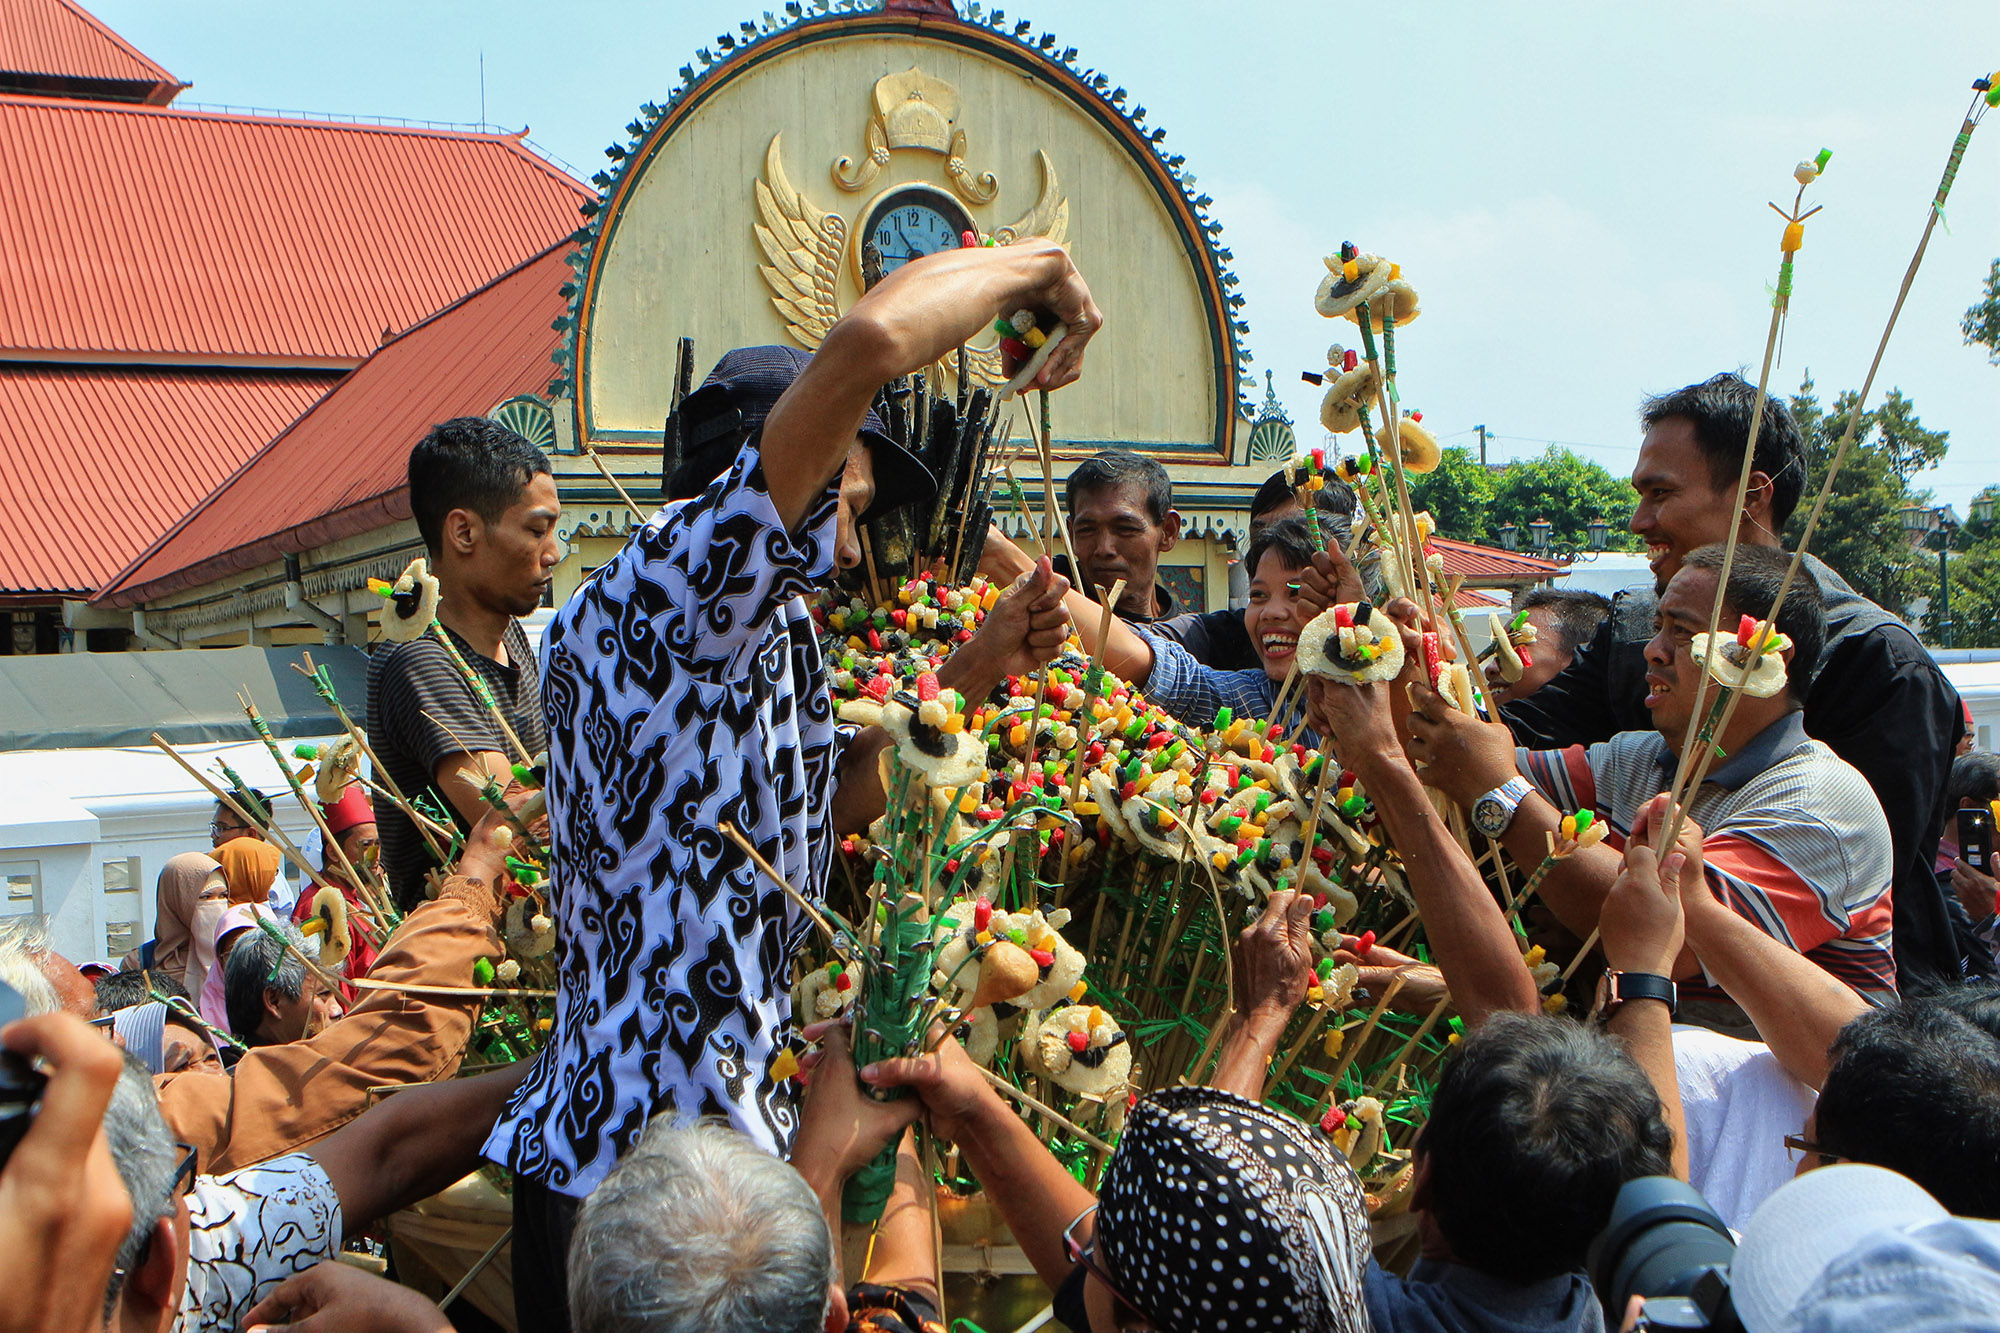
486,505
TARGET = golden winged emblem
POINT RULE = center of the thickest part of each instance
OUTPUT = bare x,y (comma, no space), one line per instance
806,246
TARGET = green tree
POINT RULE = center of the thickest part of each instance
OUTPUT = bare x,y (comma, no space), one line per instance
1459,495
1982,321
1861,534
1569,491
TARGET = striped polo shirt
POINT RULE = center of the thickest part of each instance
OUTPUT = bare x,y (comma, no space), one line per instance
1795,841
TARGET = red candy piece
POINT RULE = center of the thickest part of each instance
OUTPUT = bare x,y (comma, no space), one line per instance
879,688
1351,360
1324,855
982,912
1269,756
1433,655
1364,944
1209,795
1128,791
1526,661
1042,957
874,639
951,866
900,617
1416,416
927,687
1745,628
967,240
1343,616
1158,740
1319,901
843,982
1079,1042
1319,459
1333,1119
1015,350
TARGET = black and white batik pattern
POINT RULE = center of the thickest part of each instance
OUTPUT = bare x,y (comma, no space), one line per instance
683,687
249,1230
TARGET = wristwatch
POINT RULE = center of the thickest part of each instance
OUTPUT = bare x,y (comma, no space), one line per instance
1493,812
1617,987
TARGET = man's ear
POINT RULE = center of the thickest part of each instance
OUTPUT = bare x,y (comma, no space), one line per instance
462,530
836,1309
1757,498
1170,530
150,1288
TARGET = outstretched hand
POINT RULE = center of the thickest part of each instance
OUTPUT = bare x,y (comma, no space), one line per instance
1274,959
1461,756
1329,581
1027,626
1642,925
842,1128
946,1081
332,1297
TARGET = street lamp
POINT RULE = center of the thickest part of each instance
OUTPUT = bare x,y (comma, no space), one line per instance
1600,534
1510,537
1922,524
1539,532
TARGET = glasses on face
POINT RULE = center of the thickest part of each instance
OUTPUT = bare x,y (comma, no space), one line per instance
216,828
1801,1147
1086,1255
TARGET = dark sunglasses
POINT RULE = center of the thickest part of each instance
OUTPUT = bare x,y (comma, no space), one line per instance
1799,1143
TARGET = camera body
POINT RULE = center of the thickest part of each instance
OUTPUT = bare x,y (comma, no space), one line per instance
20,1084
1665,1243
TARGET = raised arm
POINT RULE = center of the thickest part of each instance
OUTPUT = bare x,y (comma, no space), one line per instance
910,319
1468,935
1126,655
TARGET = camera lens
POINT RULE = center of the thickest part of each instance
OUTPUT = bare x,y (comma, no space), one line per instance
1663,1240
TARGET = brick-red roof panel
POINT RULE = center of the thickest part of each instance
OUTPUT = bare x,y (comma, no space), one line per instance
1489,562
341,469
148,230
62,40
102,459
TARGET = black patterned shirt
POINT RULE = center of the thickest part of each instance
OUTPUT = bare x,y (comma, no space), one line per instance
683,687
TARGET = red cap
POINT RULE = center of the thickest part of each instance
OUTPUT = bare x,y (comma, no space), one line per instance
352,808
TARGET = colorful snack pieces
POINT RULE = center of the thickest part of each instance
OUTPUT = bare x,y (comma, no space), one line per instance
1353,642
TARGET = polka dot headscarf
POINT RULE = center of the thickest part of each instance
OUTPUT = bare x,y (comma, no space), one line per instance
1224,1216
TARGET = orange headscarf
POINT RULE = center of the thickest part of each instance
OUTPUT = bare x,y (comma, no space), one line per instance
249,864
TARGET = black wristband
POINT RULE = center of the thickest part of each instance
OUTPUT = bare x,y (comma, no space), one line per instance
1623,986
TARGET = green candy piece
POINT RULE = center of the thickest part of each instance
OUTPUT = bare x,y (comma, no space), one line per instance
1323,922
482,972
835,970
1227,828
1325,968
1018,934
1826,154
524,775
303,751
1584,819
1223,717
1005,329
1263,801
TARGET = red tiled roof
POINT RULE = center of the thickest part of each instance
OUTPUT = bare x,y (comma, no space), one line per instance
186,236
57,44
340,469
103,458
1471,599
1488,562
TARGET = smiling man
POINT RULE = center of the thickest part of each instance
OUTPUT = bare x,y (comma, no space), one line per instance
485,504
1794,841
1874,696
1277,612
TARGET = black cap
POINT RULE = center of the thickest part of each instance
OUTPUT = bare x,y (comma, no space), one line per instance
711,424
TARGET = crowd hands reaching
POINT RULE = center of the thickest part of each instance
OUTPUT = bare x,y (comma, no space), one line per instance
148,1190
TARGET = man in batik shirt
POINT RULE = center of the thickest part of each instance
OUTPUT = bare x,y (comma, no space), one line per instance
684,690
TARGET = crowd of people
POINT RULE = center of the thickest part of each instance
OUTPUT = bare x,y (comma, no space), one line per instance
1801,984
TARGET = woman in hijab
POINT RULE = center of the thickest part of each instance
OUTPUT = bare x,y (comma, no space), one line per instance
249,865
188,903
235,920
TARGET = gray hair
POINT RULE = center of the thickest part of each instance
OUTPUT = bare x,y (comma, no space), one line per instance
259,963
144,1153
699,1229
24,941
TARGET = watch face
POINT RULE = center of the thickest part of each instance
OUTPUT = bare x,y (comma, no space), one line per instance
1489,816
913,222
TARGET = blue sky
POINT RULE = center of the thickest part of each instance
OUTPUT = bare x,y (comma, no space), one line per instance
1577,190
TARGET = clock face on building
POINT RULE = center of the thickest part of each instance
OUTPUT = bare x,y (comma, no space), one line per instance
914,221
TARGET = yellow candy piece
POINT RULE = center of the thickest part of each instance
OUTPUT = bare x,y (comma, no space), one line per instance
1569,826
1077,992
1086,807
544,1024
906,596
1315,995
954,723
1795,237
1395,272
1344,795
986,602
1096,1016
984,937
785,1066
968,802
1220,860
1017,734
1533,958
1034,337
1335,1039
1555,1004
1351,271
